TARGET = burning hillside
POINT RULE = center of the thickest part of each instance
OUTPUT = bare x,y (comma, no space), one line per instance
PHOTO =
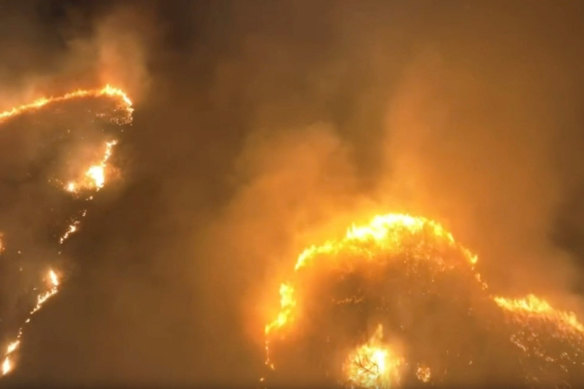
400,302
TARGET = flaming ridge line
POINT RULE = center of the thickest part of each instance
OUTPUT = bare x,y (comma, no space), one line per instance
94,179
54,282
386,233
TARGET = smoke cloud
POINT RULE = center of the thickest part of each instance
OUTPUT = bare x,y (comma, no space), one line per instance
261,128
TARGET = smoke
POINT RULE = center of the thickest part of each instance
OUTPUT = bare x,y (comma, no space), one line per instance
480,158
53,48
262,128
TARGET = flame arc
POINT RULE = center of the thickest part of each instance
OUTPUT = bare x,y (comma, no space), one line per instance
106,91
421,248
93,179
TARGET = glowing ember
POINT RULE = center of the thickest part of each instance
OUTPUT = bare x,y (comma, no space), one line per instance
385,232
6,366
373,364
287,304
73,227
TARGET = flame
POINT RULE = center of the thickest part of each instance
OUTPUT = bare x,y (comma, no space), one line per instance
373,364
12,347
106,91
94,177
535,306
423,373
53,278
53,282
287,304
6,365
71,229
385,232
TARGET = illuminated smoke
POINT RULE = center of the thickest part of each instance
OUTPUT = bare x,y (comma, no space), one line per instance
421,248
93,179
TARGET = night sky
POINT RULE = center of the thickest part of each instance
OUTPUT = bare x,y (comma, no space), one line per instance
261,127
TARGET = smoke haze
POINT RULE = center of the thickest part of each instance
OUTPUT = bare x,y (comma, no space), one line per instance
263,127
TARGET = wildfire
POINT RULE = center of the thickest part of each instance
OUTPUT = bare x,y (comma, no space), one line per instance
384,232
71,229
53,282
93,179
287,304
373,364
423,373
535,306
95,176
415,239
6,366
106,91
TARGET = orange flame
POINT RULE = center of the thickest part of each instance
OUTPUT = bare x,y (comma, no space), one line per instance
94,178
53,282
106,91
374,364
